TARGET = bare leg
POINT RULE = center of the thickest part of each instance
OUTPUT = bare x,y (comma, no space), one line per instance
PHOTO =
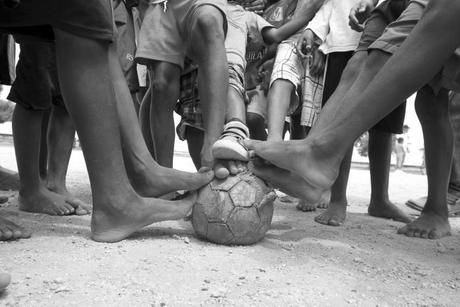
12,231
256,125
279,98
317,159
43,158
380,144
210,55
164,83
194,138
33,194
297,131
61,135
147,177
89,96
144,121
434,116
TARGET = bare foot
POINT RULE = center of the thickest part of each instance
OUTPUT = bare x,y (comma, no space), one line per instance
334,215
285,181
387,210
11,231
113,225
429,225
81,208
323,203
225,168
5,280
155,181
325,199
302,159
45,201
304,206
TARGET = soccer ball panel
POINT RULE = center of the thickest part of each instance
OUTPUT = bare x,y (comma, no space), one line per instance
219,233
243,195
243,222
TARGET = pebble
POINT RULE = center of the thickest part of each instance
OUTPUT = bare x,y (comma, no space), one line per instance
440,248
220,292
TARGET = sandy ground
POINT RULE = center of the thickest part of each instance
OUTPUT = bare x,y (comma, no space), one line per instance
299,263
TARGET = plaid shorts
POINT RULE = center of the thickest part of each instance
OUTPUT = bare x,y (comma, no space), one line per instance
288,66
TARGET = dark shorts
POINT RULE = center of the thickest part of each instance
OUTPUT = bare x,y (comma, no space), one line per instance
87,18
384,14
126,43
336,63
36,86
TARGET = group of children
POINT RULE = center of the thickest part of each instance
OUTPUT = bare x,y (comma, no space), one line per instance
232,69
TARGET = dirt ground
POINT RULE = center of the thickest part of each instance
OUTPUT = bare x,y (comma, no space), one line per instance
299,263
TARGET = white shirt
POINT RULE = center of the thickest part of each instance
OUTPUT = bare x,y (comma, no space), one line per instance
330,24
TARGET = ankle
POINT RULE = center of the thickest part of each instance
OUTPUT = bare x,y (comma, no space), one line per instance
321,148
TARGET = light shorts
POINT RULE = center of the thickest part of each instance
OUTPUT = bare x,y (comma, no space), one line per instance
165,32
257,102
288,66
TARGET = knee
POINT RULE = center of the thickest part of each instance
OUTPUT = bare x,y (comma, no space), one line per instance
164,81
208,25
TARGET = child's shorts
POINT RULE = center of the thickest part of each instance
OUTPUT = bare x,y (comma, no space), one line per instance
397,32
92,19
165,32
288,66
126,44
36,86
384,14
257,102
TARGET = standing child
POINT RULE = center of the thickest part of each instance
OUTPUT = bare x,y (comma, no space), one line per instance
172,30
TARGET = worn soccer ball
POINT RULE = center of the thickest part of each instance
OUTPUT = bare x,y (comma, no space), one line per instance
234,211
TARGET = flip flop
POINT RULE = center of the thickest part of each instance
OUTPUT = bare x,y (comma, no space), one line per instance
453,204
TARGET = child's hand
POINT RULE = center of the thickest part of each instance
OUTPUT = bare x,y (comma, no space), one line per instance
306,43
265,72
359,13
318,63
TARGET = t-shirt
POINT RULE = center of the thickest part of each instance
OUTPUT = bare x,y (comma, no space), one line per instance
244,28
330,24
276,15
